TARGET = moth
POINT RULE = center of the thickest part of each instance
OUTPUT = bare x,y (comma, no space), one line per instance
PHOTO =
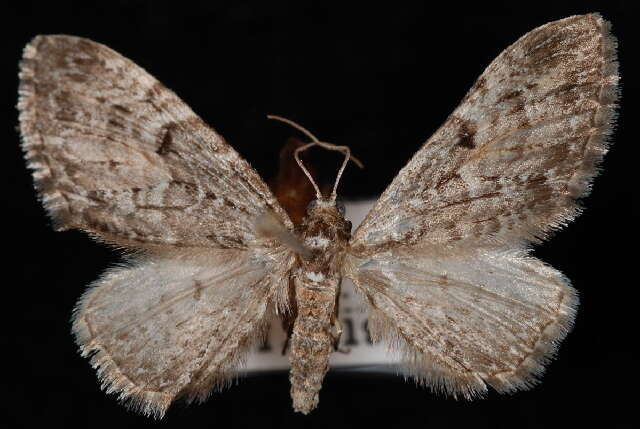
442,260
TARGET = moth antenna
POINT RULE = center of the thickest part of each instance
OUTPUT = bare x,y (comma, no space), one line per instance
329,146
296,155
347,156
294,125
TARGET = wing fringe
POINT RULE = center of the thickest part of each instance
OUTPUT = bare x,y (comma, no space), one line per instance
605,119
54,203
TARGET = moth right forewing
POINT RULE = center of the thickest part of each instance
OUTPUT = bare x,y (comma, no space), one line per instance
510,162
115,153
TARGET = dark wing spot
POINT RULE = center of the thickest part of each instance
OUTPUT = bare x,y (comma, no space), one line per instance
97,196
536,182
466,141
509,95
122,109
115,124
85,62
466,134
197,290
446,178
166,141
518,108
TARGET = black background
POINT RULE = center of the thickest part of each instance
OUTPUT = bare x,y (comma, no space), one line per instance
379,78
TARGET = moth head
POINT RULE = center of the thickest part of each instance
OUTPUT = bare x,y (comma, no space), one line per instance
328,212
326,205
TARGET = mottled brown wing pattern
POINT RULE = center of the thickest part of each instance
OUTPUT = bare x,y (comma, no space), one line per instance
177,325
467,318
442,258
511,160
117,154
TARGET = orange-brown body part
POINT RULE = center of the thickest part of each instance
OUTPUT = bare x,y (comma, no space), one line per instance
291,187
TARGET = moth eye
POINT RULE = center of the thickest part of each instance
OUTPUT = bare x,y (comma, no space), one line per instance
312,205
340,207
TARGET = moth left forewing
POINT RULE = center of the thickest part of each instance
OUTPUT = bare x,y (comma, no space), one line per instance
117,154
171,325
466,318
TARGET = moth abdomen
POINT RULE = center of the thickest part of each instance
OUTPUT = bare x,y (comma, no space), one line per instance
312,339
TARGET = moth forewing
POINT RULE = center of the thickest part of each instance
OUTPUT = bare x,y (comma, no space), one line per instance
117,154
511,161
